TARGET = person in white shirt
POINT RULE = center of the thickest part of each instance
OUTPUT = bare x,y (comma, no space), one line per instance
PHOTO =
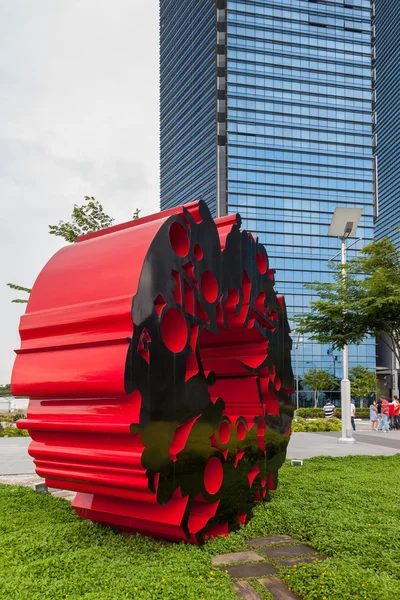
329,410
353,414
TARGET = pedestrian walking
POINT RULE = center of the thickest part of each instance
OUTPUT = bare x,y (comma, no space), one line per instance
353,415
373,415
384,415
396,413
329,410
379,409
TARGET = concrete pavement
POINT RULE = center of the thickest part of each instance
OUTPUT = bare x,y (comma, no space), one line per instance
368,443
308,445
15,461
14,457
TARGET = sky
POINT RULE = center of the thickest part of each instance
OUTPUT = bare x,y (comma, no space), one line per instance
78,117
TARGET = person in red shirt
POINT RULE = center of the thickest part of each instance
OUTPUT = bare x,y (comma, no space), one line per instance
385,416
396,413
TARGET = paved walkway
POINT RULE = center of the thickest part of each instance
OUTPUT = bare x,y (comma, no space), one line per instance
262,564
15,460
307,445
14,457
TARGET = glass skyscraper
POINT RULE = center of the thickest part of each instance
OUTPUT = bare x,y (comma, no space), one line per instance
266,111
386,122
386,116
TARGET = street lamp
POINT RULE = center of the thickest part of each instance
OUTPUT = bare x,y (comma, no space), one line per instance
344,225
298,341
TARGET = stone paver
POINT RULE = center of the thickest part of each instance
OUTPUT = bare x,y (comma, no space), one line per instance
255,570
275,557
245,591
278,589
269,541
236,557
291,562
287,551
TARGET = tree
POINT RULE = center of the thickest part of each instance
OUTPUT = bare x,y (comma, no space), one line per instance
365,302
363,382
84,219
318,381
13,286
5,390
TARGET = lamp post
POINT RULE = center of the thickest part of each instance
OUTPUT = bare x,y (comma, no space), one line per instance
298,341
344,225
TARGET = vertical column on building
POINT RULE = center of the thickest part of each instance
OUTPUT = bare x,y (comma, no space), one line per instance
222,199
374,117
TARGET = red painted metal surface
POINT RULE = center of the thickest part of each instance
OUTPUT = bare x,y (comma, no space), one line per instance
139,457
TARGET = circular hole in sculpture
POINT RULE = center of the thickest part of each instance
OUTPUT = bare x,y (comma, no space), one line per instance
179,239
261,261
198,252
174,330
209,286
213,475
241,430
224,432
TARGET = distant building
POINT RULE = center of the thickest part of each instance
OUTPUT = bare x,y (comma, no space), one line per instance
386,120
12,404
266,110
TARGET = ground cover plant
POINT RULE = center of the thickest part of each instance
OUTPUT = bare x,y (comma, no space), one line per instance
318,413
344,507
8,426
11,431
312,425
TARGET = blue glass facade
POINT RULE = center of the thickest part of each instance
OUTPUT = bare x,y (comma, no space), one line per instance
187,102
298,142
386,71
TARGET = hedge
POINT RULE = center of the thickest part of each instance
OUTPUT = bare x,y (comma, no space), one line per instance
12,417
12,432
308,425
318,413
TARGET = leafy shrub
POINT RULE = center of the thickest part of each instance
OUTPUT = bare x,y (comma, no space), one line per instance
361,413
316,425
318,413
310,413
13,432
6,418
298,425
17,416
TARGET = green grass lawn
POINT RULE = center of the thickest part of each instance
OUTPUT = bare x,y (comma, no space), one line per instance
347,508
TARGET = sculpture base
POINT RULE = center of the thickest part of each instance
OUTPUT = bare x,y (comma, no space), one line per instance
145,518
347,440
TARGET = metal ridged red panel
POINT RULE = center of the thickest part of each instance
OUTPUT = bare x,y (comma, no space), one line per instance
157,360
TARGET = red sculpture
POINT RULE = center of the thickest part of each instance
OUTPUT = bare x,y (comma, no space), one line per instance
156,356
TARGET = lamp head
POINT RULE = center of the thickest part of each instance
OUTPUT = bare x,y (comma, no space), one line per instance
345,222
348,229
